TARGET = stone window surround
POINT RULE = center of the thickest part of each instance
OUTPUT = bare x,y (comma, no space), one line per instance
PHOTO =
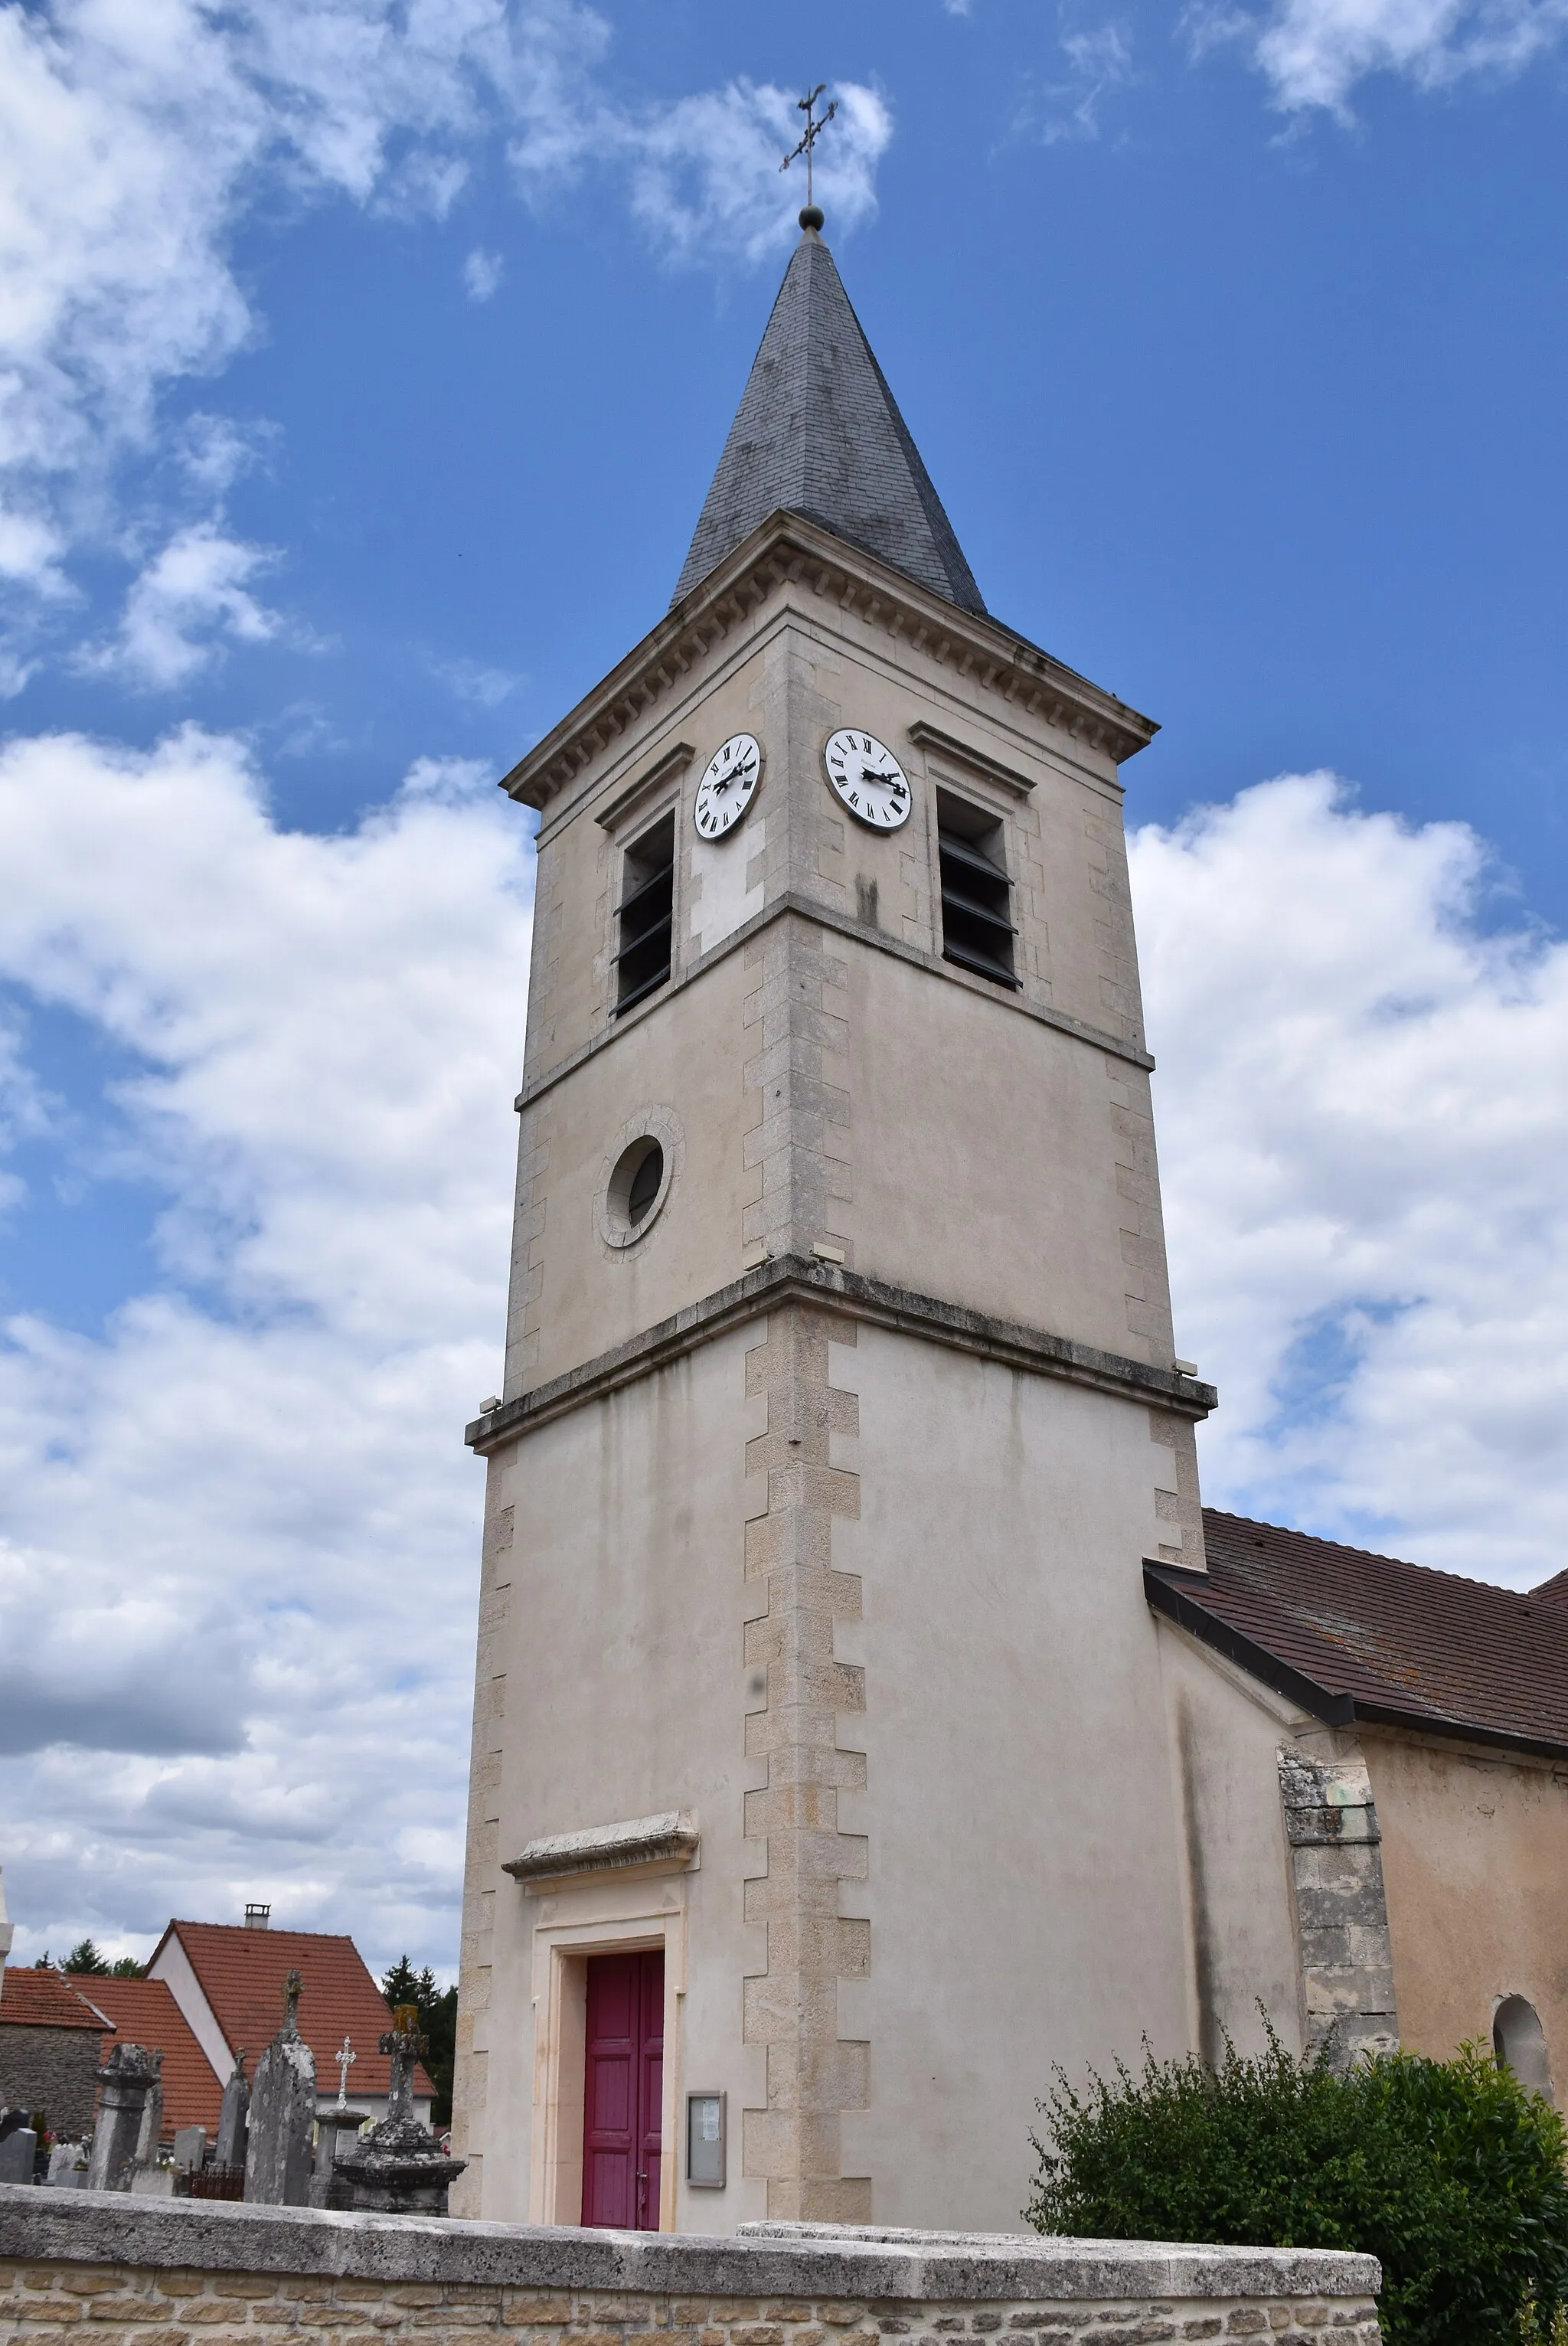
970,789
631,815
655,1122
597,1912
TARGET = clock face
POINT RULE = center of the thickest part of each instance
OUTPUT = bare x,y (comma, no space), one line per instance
728,784
864,774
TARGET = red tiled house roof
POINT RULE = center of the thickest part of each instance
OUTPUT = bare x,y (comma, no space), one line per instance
1353,1636
242,1973
144,2012
34,1999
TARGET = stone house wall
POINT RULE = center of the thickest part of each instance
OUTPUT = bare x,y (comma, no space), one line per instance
76,2269
54,2070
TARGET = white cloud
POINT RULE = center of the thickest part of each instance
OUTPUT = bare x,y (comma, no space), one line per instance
1363,1119
133,140
193,595
1315,52
1097,60
482,274
252,1482
471,680
706,172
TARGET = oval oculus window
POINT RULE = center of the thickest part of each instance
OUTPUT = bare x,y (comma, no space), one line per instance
645,1183
636,1185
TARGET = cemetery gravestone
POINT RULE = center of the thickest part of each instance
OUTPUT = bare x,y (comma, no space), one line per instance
335,2128
18,2151
149,2134
398,2167
232,2117
67,2165
125,2082
282,2130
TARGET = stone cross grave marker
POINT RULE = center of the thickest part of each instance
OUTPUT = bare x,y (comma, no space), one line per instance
281,2131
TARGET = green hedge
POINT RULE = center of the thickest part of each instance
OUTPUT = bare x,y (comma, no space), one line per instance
1449,2172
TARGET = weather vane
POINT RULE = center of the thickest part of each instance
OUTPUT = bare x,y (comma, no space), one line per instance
808,137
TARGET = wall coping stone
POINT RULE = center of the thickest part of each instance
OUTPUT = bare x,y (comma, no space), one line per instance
38,2225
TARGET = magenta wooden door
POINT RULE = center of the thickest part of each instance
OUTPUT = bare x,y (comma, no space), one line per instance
623,2090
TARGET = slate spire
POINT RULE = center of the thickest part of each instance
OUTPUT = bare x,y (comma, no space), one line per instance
819,432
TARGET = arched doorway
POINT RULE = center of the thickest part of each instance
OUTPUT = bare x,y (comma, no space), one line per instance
1519,2042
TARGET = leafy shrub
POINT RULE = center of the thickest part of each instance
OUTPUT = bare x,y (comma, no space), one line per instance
1449,2172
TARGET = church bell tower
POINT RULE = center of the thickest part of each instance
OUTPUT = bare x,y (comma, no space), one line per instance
821,1797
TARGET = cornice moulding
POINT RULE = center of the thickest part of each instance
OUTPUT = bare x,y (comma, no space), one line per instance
602,1849
800,1279
784,550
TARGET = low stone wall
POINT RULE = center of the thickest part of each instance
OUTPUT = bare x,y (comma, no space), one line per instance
100,2269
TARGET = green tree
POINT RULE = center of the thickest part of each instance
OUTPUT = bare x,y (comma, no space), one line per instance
1449,2172
437,2011
84,1960
127,1967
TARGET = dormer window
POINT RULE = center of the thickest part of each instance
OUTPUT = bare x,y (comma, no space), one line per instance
976,894
647,915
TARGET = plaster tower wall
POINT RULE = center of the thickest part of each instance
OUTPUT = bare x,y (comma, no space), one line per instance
817,1509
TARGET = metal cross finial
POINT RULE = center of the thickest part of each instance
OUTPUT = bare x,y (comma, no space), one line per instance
809,136
345,2061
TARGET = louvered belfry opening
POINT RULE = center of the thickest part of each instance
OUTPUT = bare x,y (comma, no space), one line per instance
647,915
976,894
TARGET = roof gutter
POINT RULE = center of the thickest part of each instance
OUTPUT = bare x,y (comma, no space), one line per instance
1165,1586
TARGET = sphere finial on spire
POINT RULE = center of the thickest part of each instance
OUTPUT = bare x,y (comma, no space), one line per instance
811,216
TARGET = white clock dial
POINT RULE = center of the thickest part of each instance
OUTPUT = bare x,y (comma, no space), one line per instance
864,774
729,783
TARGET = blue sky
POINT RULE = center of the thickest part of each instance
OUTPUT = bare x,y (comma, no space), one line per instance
367,370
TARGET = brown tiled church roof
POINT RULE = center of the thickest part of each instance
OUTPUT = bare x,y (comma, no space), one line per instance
242,1973
144,2012
45,1999
1353,1636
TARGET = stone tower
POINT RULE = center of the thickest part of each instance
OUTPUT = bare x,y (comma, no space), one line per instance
821,1797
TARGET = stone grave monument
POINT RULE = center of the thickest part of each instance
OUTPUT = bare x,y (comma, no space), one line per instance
229,2153
68,2168
18,2148
149,2134
398,2168
335,2128
124,2083
282,2122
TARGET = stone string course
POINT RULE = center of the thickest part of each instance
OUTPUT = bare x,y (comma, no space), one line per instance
82,2269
